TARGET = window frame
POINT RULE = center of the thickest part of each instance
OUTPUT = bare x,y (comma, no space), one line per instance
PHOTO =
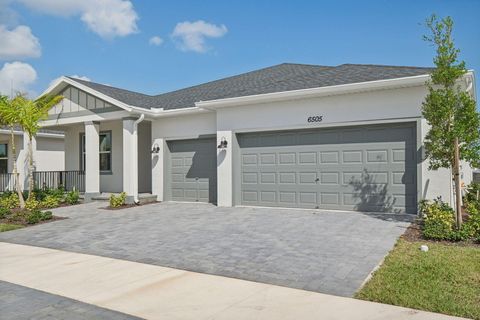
83,152
5,158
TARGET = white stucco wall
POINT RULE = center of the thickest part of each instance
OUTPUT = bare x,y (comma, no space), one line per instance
184,127
340,109
394,105
5,138
48,156
439,183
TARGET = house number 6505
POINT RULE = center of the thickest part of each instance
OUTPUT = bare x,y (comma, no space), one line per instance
315,119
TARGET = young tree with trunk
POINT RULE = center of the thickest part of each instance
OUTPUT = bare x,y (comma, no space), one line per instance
9,117
30,113
449,109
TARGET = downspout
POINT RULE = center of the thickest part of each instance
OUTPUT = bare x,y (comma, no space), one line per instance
135,158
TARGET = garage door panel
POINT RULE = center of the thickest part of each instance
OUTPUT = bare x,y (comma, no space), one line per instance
364,169
329,178
288,197
250,196
308,198
352,156
329,157
268,178
309,178
307,158
268,196
192,170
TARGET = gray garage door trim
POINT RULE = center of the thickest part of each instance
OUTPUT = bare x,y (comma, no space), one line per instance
360,168
191,170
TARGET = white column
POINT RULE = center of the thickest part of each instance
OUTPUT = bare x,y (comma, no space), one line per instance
225,169
158,161
130,152
92,159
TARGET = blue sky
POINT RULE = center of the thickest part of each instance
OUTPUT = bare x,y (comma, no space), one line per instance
110,41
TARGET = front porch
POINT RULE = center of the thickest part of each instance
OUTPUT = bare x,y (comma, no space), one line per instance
112,156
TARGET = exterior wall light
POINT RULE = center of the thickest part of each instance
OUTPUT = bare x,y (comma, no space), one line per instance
223,143
155,148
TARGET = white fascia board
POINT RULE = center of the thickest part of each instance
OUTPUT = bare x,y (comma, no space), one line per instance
7,131
50,135
40,134
116,115
316,92
161,113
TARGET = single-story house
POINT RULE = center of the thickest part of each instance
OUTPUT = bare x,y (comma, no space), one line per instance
347,137
48,154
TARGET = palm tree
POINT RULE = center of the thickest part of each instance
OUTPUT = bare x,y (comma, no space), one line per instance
31,112
9,117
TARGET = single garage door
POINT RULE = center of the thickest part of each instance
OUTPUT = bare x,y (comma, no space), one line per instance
192,170
368,168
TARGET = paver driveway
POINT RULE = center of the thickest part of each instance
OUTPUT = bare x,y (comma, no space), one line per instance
329,252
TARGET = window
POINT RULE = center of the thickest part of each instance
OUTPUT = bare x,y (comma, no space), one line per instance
105,150
3,158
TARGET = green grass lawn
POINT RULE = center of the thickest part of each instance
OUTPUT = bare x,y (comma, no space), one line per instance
446,279
7,227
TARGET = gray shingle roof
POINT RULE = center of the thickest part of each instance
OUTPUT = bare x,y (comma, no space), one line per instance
282,77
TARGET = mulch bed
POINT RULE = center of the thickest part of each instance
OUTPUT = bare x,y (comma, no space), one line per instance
25,224
126,206
414,234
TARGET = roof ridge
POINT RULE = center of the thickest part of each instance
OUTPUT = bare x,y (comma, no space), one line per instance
236,76
381,65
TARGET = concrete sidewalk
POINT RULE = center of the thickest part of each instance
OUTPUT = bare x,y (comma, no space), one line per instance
154,292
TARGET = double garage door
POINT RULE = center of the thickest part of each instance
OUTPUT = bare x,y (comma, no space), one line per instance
371,168
367,168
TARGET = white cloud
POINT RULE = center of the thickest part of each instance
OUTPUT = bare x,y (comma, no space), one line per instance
85,78
155,41
16,76
18,43
192,35
107,18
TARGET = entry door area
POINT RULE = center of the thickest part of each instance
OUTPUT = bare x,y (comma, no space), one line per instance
366,168
191,171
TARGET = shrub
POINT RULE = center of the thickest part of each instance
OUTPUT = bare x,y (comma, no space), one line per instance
438,220
34,217
9,200
473,190
473,220
46,215
4,212
50,201
466,232
72,197
32,203
118,201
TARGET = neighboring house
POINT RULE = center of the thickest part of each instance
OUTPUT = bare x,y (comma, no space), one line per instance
48,154
347,137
